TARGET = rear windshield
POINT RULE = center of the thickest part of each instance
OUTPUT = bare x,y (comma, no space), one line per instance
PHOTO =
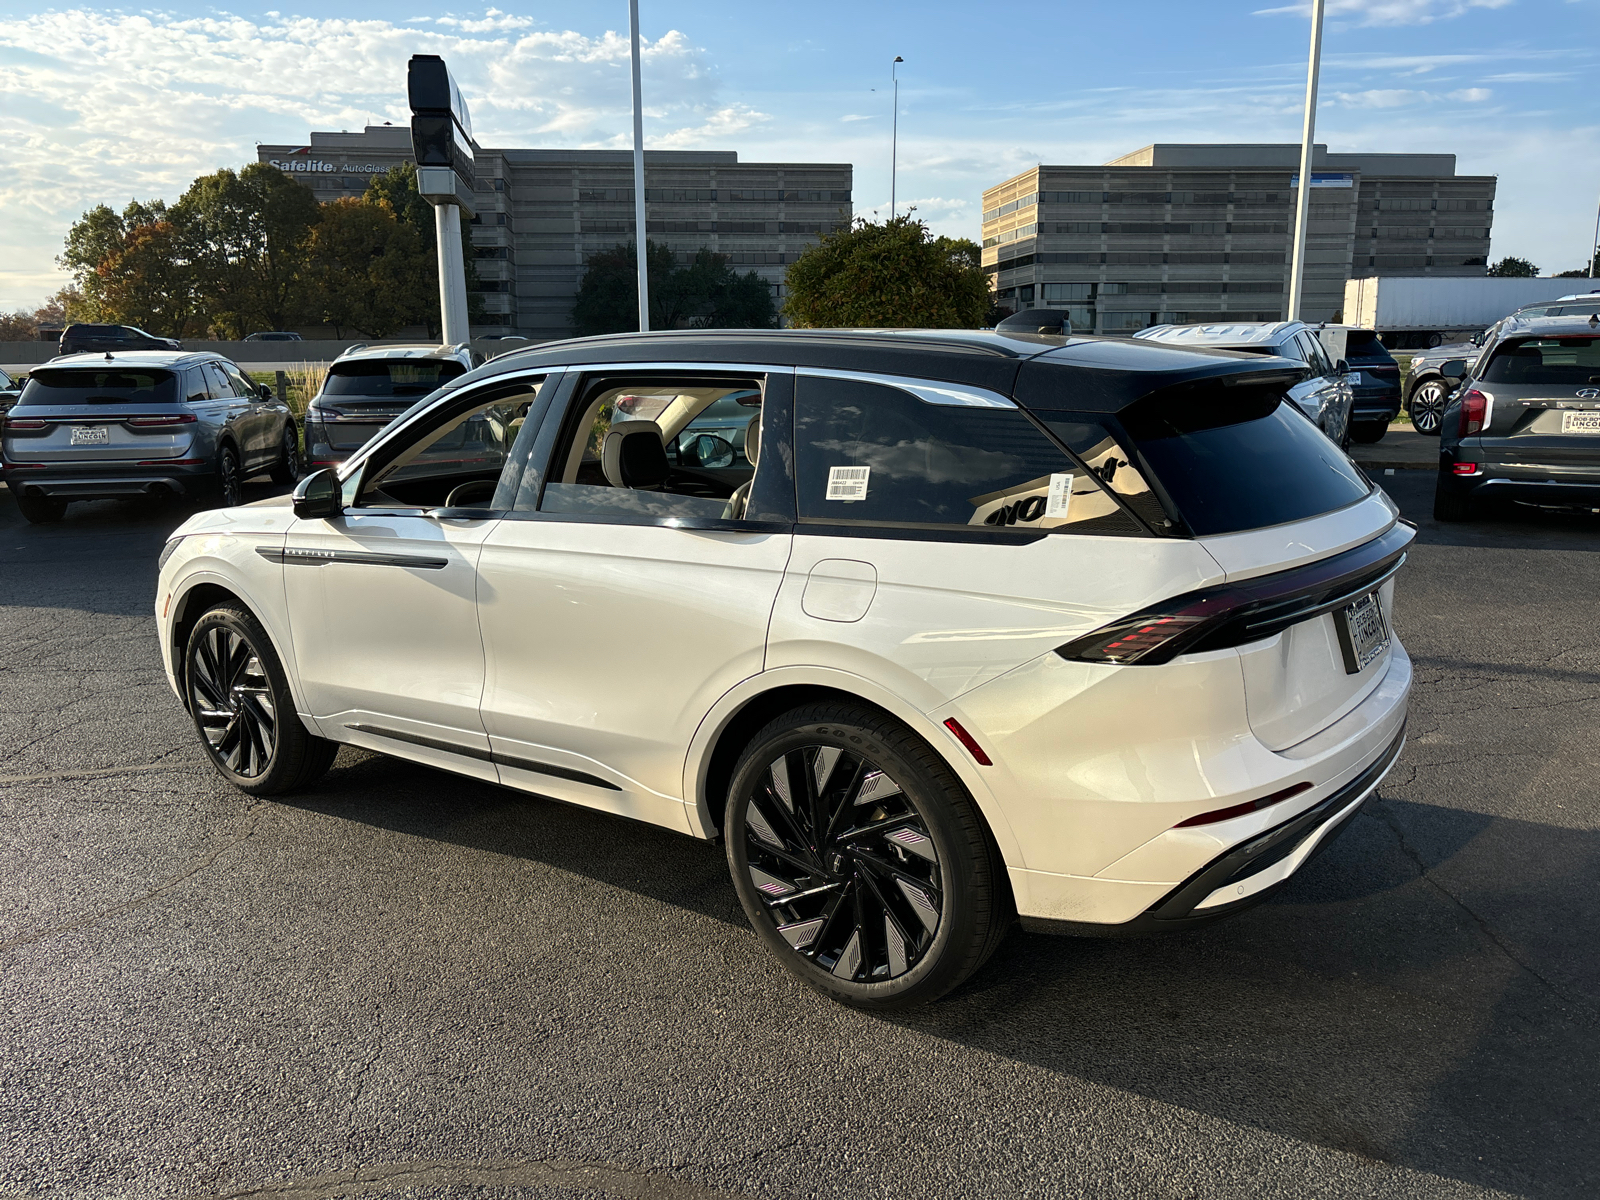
1567,360
1363,343
83,385
396,377
1240,458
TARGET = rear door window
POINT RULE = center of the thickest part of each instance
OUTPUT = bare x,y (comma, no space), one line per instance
871,454
118,385
1239,458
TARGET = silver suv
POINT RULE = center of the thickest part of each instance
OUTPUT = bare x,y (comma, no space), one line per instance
142,423
1324,395
369,386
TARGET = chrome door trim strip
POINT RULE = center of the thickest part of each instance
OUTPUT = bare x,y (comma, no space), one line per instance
318,558
949,395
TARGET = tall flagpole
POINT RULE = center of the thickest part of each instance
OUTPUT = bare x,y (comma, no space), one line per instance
1297,266
638,174
894,136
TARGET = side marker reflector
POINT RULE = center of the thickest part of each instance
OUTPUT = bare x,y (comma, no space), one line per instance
1239,810
967,740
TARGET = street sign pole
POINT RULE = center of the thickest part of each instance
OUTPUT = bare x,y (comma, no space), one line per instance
640,247
1297,266
441,140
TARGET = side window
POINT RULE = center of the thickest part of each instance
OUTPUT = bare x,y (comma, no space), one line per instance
1111,463
654,448
1292,350
1314,354
218,386
241,385
869,453
459,460
196,386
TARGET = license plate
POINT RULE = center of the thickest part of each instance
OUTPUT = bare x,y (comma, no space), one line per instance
1362,634
1580,422
91,435
1355,378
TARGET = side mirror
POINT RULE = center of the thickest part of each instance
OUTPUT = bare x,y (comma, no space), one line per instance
1476,339
319,495
709,451
1341,367
264,390
1453,369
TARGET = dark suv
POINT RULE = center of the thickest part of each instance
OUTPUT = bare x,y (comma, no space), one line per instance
145,423
369,386
89,339
1524,424
1375,380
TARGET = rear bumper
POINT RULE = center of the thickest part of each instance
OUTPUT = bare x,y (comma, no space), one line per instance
107,481
1556,484
1249,873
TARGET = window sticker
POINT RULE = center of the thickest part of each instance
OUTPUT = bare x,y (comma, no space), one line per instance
1060,496
847,483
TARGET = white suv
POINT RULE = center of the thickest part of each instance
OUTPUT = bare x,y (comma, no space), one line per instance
963,626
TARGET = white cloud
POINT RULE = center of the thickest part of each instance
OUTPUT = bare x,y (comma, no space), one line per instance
1470,95
104,106
1388,12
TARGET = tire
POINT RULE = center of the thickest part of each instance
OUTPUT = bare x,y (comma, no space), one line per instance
1426,406
1449,504
287,468
41,510
1368,432
885,919
239,699
230,480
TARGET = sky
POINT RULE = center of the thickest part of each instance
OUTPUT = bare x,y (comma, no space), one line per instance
102,105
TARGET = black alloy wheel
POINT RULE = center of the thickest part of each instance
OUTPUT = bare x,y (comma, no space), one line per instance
239,698
861,860
230,481
1427,406
287,469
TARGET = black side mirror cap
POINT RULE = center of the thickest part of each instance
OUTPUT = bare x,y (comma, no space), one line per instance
264,390
1453,368
1341,367
319,496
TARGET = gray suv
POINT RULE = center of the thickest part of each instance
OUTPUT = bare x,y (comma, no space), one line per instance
144,423
369,386
1324,395
1524,423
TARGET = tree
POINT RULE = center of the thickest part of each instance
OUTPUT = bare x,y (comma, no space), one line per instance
145,282
1588,272
97,236
1514,268
705,294
370,271
396,190
888,275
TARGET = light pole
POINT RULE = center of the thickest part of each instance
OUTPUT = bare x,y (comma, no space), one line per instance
638,175
894,135
1297,266
1594,251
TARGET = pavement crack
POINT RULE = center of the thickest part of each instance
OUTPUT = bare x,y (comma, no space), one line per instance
1384,814
166,885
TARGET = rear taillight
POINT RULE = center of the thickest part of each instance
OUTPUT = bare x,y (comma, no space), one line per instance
1234,614
156,422
1474,411
315,411
24,423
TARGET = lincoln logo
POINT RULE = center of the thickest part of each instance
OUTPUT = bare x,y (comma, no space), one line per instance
1589,393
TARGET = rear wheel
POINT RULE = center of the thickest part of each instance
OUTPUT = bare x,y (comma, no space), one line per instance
1449,502
1427,406
230,481
1367,432
861,860
239,698
287,469
41,510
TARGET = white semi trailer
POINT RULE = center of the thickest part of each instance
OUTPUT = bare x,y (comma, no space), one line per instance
1410,311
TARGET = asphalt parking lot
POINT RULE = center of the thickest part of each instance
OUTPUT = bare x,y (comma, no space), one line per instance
406,984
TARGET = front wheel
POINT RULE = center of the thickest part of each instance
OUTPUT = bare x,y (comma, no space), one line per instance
239,698
1427,406
861,860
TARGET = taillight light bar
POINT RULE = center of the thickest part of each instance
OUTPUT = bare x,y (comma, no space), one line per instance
24,423
1233,614
164,419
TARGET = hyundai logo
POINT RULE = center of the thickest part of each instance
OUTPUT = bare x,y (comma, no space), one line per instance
1589,393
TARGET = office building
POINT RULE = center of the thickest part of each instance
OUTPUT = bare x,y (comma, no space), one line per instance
1185,233
541,212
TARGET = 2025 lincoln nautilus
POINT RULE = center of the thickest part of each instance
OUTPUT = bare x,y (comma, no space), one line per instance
960,627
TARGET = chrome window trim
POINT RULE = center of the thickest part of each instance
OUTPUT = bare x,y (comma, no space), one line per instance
948,395
736,368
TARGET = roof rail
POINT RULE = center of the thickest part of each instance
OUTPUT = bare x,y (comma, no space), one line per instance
353,349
